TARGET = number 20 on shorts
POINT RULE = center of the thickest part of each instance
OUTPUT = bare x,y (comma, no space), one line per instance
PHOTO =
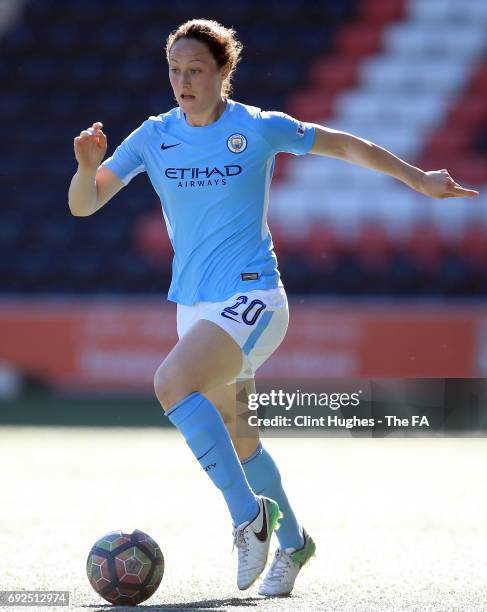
251,313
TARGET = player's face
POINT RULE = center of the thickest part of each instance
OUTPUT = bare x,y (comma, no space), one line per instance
195,77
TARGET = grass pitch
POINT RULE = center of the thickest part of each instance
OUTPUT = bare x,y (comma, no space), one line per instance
400,524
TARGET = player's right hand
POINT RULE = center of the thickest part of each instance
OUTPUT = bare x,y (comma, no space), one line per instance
90,146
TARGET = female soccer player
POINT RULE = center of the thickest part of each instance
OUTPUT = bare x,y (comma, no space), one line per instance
210,161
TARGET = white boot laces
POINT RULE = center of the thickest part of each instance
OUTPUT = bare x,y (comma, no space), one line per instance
241,542
281,563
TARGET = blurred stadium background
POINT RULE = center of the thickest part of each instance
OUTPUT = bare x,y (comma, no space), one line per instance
383,281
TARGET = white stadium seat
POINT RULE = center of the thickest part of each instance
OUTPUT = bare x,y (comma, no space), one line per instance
449,11
373,106
398,73
428,39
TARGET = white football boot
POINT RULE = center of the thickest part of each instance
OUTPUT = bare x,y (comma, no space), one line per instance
287,563
252,540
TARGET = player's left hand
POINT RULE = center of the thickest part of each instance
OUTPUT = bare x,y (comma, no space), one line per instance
439,184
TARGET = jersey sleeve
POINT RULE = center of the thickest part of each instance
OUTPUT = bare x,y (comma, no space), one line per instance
286,134
127,159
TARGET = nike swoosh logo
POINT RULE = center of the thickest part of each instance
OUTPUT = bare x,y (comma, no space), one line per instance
165,146
262,534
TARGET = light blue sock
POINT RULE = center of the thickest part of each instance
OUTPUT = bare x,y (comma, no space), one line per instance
264,478
206,435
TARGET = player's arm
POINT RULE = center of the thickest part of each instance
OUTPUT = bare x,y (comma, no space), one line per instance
350,148
93,185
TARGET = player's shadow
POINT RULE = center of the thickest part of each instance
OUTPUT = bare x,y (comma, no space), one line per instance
208,605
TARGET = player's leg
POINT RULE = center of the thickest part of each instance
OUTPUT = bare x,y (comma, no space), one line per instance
231,401
261,470
296,547
202,359
207,356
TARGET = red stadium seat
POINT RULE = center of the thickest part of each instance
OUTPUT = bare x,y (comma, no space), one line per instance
280,166
468,169
425,246
334,74
321,244
282,239
478,84
310,105
151,240
474,244
381,11
468,112
374,245
359,39
471,170
449,142
435,162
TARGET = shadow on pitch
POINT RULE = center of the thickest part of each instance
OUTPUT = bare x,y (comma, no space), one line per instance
208,605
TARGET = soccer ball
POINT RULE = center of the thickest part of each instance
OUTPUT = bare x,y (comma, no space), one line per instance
125,568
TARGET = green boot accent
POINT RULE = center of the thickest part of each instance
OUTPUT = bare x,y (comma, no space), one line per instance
275,515
302,555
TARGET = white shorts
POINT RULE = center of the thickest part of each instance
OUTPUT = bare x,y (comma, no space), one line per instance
256,320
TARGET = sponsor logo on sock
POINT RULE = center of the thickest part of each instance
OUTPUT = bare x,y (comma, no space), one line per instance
209,467
262,534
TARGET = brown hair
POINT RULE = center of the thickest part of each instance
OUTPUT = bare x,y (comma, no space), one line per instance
221,42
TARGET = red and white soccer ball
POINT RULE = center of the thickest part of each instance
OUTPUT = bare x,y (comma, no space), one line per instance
125,568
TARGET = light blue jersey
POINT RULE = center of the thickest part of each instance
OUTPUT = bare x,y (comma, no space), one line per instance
213,183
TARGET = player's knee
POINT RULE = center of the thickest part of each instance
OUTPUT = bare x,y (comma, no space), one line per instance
169,387
162,387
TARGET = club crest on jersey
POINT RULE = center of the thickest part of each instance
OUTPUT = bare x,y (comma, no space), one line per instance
237,143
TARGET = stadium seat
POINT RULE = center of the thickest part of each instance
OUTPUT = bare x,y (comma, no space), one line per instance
440,12
150,239
397,73
310,105
373,245
474,244
10,232
19,41
405,110
334,74
380,12
454,142
468,112
322,245
480,141
418,39
472,170
478,84
358,39
425,246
